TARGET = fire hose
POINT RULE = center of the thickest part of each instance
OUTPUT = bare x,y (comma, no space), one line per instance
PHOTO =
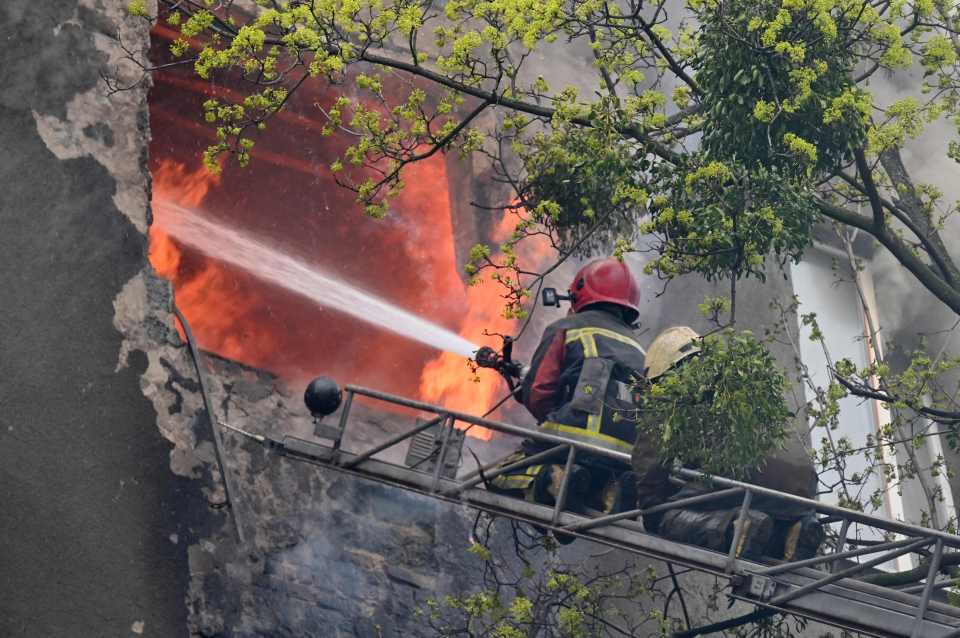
229,490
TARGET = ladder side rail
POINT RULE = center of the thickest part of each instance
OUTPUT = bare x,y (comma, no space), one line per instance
841,541
825,508
561,503
683,502
738,531
819,603
500,426
850,571
831,605
928,589
916,589
846,514
858,590
494,471
826,558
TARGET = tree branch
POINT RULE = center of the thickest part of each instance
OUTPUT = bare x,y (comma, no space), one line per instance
866,392
867,174
911,575
667,56
924,274
911,204
632,132
905,219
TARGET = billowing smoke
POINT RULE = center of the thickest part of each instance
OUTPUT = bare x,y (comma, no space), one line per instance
906,307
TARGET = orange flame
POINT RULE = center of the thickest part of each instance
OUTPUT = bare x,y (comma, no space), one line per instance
173,182
206,296
444,379
409,259
206,290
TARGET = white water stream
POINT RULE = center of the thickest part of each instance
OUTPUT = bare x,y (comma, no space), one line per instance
271,264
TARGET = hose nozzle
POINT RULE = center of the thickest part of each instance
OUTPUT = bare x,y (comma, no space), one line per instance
487,357
502,362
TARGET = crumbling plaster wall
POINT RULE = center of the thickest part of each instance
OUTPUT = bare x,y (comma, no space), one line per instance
113,517
94,523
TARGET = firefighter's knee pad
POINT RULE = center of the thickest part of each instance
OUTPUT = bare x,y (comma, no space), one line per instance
546,485
515,481
706,529
803,539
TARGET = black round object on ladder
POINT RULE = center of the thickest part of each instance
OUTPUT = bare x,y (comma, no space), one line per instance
322,396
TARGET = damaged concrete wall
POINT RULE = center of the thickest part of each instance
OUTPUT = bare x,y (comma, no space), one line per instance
325,554
93,522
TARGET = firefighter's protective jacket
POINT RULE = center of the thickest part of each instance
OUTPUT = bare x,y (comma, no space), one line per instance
581,378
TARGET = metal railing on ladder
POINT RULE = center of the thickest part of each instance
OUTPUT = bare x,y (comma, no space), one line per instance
814,588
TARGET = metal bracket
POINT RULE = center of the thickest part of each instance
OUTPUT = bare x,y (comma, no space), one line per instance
759,587
426,446
329,432
308,449
334,433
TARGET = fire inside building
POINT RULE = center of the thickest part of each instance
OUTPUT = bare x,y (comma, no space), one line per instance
235,406
413,259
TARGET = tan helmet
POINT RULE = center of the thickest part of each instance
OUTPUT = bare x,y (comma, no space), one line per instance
671,346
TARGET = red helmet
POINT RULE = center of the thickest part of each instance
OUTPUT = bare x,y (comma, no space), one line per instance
606,280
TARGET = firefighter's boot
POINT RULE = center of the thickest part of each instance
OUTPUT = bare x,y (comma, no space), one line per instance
803,539
715,530
549,482
620,494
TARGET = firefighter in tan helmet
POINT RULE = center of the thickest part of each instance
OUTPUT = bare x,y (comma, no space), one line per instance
671,348
710,526
773,528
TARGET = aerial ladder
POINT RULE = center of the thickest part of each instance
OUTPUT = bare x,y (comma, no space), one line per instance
825,588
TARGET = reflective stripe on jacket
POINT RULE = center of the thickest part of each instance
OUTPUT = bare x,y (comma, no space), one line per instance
581,377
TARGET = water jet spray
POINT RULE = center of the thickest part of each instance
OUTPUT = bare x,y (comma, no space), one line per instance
270,263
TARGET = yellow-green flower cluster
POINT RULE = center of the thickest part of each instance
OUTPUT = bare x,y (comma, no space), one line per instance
852,101
800,147
764,111
247,44
138,8
939,51
907,119
197,24
713,174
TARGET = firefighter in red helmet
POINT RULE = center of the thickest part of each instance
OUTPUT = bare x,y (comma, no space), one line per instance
580,385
